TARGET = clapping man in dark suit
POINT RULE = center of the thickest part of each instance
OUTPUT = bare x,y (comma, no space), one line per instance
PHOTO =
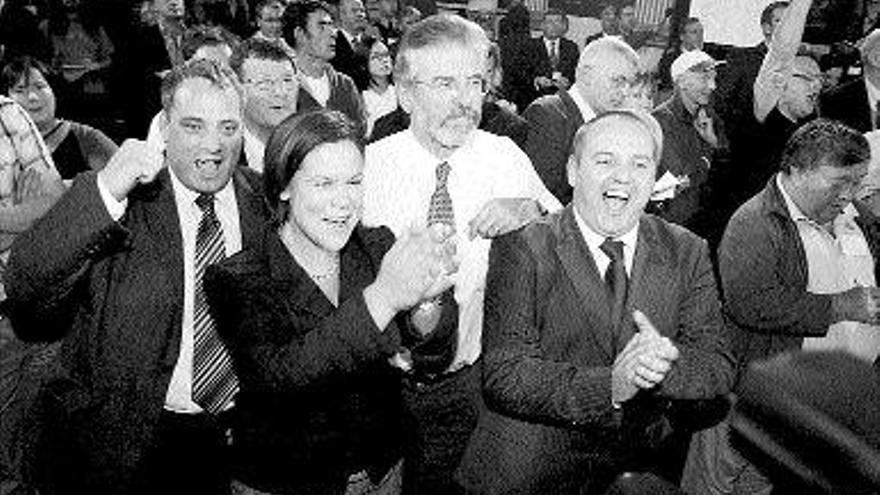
596,318
553,57
133,404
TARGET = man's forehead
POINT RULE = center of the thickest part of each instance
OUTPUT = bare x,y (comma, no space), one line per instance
446,59
602,136
255,65
200,94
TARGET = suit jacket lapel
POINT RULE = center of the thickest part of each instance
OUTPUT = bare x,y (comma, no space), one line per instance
579,265
301,291
652,272
572,109
251,209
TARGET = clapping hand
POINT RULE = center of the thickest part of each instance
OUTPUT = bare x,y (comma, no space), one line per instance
643,363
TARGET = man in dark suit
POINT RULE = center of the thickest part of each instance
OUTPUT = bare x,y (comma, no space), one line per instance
149,53
579,372
853,103
114,269
606,69
553,57
351,58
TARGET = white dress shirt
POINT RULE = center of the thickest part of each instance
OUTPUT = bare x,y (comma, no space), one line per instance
254,150
594,241
179,395
873,99
399,179
837,260
378,104
587,111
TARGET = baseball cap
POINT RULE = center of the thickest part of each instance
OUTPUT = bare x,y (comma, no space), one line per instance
694,59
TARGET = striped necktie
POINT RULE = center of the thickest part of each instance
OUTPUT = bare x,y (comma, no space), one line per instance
440,208
214,381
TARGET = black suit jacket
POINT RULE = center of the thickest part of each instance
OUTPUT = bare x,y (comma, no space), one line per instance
849,104
319,400
351,61
114,292
540,64
553,121
140,62
549,345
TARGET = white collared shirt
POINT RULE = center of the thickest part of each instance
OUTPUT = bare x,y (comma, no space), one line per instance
318,87
254,150
594,241
873,99
399,179
837,260
378,104
587,111
550,45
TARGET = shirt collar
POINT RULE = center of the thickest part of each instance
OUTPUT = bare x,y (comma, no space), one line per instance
254,149
793,211
586,111
186,197
594,240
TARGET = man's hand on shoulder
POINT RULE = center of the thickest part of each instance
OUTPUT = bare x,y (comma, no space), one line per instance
502,215
135,162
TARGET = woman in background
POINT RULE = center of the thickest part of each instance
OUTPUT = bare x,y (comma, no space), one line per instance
75,147
380,97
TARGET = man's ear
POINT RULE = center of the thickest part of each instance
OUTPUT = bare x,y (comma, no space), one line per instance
571,169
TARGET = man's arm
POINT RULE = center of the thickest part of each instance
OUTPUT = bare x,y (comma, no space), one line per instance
777,64
755,296
705,366
517,380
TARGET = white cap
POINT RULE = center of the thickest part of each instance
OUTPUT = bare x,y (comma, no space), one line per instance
691,60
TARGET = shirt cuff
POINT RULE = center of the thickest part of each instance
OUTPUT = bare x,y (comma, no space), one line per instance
115,208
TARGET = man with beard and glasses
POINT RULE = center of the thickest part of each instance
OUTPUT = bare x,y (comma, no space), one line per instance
442,169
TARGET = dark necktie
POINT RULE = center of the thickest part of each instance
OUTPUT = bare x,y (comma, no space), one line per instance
440,208
214,381
616,280
554,54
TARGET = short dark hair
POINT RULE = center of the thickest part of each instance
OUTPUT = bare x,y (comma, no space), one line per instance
257,49
291,141
262,4
436,30
218,74
18,69
767,13
691,20
559,12
824,142
296,15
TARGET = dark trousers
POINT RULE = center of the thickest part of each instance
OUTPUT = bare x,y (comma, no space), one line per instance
440,416
189,455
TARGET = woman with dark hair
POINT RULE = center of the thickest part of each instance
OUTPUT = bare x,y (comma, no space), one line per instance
380,96
323,318
75,147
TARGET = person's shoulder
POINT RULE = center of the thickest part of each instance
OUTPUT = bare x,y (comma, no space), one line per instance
375,241
844,91
497,149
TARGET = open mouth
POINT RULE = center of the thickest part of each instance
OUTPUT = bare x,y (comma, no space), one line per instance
209,166
340,223
616,201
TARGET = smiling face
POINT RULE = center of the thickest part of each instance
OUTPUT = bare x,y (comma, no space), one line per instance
203,135
325,195
612,173
271,88
36,96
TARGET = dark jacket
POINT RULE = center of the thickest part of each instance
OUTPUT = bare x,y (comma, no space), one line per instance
319,400
849,104
114,292
344,97
553,121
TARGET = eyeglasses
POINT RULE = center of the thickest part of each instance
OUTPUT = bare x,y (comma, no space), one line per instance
380,56
445,86
267,85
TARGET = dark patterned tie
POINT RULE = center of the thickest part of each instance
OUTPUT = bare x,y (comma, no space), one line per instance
554,54
616,280
440,208
214,381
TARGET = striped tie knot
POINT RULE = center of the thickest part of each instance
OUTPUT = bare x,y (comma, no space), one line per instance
440,208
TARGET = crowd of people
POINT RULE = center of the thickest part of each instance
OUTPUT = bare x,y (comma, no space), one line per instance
294,247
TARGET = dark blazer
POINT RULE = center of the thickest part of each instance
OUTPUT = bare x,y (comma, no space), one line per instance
318,399
114,292
734,96
351,61
540,64
764,277
494,119
549,346
344,97
140,62
553,121
849,104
